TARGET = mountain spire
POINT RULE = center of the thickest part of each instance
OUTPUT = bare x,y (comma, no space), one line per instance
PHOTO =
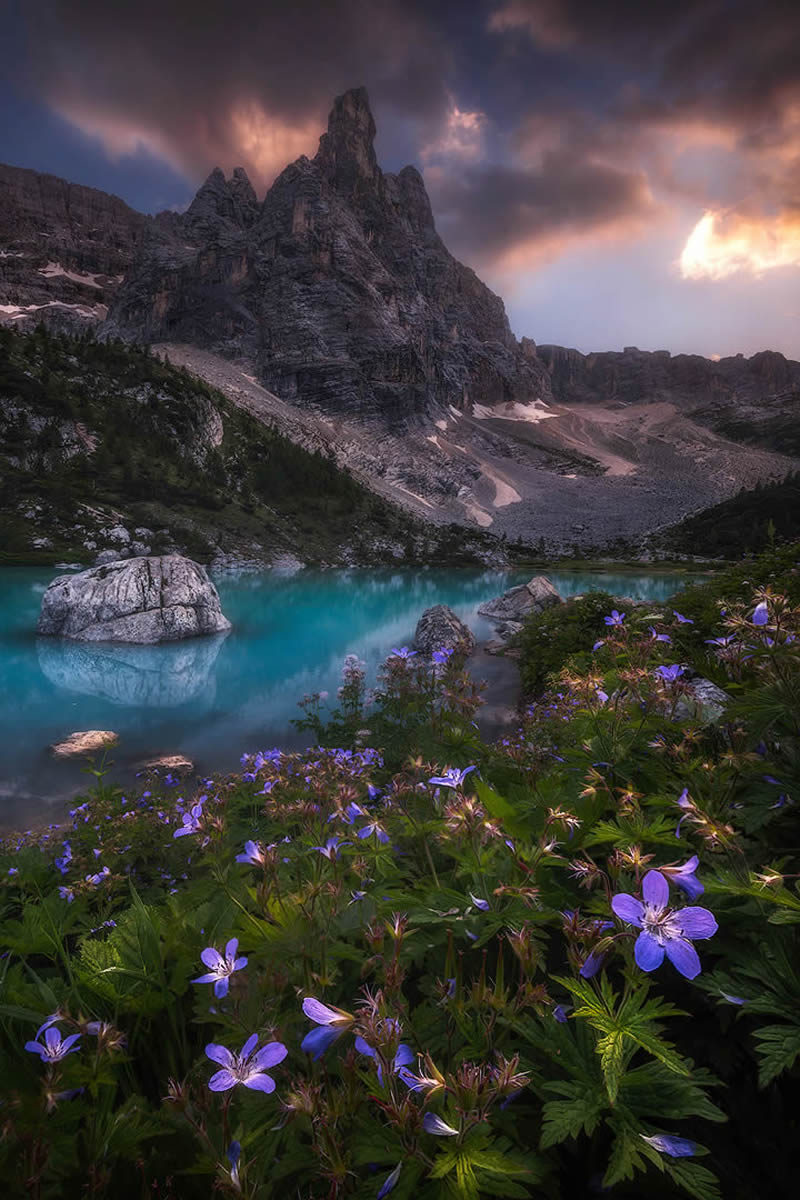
346,152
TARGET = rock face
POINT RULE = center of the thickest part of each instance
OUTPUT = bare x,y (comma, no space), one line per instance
440,629
142,600
509,611
337,287
63,250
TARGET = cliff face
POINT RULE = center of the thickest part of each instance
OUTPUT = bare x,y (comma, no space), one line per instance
754,400
63,249
337,287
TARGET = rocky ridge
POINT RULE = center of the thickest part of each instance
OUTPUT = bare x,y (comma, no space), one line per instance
333,311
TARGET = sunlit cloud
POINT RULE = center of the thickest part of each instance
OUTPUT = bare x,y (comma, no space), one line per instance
721,245
461,139
266,145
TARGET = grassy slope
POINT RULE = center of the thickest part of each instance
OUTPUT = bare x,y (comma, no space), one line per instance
745,523
92,434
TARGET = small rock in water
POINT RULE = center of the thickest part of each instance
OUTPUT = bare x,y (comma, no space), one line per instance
440,629
88,741
179,764
509,610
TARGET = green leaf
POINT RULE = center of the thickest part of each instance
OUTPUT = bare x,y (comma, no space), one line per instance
695,1179
779,1047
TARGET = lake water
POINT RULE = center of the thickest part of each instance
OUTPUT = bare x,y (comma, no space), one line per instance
212,699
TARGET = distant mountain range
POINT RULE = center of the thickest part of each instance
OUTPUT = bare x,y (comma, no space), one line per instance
333,311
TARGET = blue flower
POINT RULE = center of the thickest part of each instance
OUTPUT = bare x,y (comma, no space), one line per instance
374,827
435,1125
685,878
679,617
669,674
441,656
560,1013
674,1146
191,820
483,905
403,1058
664,930
761,613
597,645
404,652
733,999
234,1152
246,1067
616,618
659,637
254,854
332,848
332,1022
53,1049
221,968
62,862
389,1182
452,778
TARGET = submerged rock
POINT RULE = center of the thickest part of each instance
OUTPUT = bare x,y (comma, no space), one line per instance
140,600
508,612
440,629
177,764
89,741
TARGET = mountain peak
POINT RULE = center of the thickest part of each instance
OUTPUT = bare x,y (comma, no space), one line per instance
346,152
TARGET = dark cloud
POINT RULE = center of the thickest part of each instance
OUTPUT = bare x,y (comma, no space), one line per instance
500,213
211,82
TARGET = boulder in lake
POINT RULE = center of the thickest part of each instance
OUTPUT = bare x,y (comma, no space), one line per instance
140,600
88,741
508,612
440,629
176,764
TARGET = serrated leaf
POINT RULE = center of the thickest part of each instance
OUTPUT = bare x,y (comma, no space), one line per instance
779,1046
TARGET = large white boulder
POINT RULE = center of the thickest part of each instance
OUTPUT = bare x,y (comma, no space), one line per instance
508,612
142,600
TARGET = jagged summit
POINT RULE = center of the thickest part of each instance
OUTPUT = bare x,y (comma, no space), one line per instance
346,153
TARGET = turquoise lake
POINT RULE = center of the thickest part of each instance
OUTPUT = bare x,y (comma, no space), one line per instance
213,699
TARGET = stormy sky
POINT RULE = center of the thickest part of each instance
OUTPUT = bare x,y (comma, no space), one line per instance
621,172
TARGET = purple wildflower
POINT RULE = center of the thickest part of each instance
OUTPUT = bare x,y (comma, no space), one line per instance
221,968
53,1049
597,645
674,1146
483,905
658,637
64,859
234,1153
669,674
685,878
374,827
332,1022
441,656
332,848
679,617
452,778
664,930
403,1058
404,652
616,618
435,1125
389,1182
761,613
254,854
246,1067
191,821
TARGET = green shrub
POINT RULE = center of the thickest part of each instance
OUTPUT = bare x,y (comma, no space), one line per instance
548,640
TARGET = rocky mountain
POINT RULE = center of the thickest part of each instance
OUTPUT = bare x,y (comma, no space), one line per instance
64,250
333,311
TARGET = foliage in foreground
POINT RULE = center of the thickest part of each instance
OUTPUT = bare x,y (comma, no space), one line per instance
423,966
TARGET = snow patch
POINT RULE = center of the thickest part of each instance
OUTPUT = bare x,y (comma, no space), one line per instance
413,495
478,514
513,411
12,253
15,311
54,269
504,493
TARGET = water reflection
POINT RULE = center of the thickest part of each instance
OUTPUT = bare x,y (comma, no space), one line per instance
138,676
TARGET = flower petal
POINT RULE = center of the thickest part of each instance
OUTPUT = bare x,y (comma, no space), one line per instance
269,1056
221,987
683,957
674,1146
696,922
211,978
405,1055
316,1011
219,1054
239,963
260,1083
435,1125
317,1041
648,952
628,908
250,1045
35,1048
69,1042
363,1048
231,948
211,957
222,1081
655,889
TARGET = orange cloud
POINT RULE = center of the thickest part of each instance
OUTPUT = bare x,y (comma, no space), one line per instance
723,244
462,137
